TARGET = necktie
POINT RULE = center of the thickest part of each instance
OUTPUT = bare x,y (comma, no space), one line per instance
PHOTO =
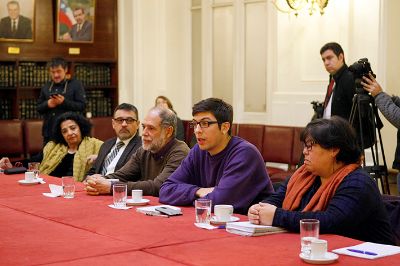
329,92
79,27
14,26
111,157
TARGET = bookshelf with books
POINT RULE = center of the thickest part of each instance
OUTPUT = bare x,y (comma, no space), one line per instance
23,73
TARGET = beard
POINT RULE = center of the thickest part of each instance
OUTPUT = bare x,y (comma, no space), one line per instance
155,145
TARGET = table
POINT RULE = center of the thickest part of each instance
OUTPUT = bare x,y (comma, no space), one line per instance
35,229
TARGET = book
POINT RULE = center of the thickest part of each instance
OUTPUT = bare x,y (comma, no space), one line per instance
249,229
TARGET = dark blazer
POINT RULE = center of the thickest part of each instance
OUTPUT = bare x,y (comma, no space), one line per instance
85,34
24,29
105,149
342,99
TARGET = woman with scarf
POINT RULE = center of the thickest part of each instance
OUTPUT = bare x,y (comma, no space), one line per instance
67,154
330,187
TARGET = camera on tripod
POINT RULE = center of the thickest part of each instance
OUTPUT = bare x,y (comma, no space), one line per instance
360,69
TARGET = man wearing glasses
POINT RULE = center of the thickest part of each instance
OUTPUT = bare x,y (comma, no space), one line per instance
225,169
158,157
115,152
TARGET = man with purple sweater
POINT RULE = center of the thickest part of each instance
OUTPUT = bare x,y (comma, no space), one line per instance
225,169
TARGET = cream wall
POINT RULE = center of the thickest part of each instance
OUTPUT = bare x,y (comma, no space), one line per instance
155,55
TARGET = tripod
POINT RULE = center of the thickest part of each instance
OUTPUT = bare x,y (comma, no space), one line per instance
365,119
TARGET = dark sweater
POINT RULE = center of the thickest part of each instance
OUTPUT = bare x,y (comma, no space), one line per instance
147,171
356,210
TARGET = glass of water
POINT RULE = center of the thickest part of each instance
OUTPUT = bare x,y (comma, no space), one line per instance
203,210
34,167
68,184
309,231
119,195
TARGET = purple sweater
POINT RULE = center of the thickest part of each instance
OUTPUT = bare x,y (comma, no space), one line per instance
238,174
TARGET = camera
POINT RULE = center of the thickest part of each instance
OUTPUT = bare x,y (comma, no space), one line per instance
360,69
318,109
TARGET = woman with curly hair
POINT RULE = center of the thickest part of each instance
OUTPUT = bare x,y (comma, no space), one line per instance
67,153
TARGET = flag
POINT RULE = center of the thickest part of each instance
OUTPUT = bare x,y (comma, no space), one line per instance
65,18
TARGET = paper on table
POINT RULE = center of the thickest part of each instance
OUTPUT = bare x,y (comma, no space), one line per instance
205,226
151,210
55,191
380,249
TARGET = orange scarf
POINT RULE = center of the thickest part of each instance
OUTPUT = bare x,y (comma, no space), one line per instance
302,180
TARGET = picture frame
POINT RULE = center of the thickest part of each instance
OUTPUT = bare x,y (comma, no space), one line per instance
75,21
17,20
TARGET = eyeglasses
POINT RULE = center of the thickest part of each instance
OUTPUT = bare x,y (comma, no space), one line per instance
121,120
203,123
309,145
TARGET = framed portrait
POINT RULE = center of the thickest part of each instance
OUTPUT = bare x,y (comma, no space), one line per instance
17,20
75,21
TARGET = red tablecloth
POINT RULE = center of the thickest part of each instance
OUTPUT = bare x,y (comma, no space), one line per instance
35,229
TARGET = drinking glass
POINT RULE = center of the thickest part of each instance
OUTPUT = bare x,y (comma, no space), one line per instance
34,167
68,184
309,231
203,210
119,195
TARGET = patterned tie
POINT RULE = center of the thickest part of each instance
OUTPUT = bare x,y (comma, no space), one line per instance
79,27
111,156
329,92
14,26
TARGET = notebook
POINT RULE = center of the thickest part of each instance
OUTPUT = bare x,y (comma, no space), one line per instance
249,229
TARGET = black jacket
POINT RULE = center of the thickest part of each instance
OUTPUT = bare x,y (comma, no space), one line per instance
105,149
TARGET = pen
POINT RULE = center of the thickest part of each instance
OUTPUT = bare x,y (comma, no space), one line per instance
221,227
362,252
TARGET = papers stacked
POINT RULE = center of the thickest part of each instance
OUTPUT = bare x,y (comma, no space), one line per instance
249,229
369,250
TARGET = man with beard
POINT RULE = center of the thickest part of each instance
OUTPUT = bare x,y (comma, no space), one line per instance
161,153
115,152
59,96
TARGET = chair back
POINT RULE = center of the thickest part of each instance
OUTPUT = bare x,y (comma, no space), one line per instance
33,137
12,140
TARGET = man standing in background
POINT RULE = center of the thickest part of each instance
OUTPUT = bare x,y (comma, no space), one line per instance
341,88
58,96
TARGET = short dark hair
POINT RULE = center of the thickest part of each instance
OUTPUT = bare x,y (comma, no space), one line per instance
222,111
127,107
80,8
84,125
58,61
335,47
335,132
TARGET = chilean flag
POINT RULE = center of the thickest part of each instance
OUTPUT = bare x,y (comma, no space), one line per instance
65,17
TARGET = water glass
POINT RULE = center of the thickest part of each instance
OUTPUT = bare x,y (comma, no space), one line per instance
119,195
34,167
68,184
203,210
309,231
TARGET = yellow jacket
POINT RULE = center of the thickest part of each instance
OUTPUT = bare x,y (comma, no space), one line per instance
53,153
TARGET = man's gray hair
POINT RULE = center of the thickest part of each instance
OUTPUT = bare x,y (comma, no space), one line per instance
168,117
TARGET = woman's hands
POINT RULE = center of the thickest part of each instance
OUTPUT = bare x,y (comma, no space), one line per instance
261,213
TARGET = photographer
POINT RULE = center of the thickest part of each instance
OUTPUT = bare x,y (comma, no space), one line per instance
59,96
390,108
